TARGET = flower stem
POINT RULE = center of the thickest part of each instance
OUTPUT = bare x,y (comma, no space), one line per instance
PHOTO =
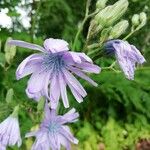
132,32
82,24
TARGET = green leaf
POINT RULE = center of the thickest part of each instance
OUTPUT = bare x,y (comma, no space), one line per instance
41,104
2,59
0,45
9,95
10,51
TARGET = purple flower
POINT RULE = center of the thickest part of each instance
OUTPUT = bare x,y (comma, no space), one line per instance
53,132
127,56
10,133
53,69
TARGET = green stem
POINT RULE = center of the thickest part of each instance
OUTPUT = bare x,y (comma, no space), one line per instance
78,33
33,20
82,25
132,32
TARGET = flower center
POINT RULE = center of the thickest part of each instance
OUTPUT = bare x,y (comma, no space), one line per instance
109,48
54,62
53,127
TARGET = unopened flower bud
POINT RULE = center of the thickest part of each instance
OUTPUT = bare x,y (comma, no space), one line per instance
109,15
101,4
105,34
135,20
143,18
119,29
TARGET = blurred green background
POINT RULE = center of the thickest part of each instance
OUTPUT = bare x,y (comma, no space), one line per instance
116,114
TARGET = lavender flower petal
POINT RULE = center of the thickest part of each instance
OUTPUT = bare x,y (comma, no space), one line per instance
54,92
55,45
88,67
26,45
36,82
74,82
28,66
63,91
82,75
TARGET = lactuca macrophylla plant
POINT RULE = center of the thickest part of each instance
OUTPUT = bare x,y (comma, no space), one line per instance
52,70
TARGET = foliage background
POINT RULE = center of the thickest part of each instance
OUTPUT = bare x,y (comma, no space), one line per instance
116,114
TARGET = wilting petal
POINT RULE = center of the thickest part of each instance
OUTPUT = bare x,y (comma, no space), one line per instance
41,143
26,45
70,116
138,56
64,141
55,45
35,96
74,82
75,93
82,75
54,91
46,84
2,147
89,68
65,131
75,57
28,66
85,57
36,82
63,91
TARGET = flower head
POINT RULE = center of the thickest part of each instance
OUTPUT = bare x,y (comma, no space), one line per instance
127,56
54,132
10,132
53,69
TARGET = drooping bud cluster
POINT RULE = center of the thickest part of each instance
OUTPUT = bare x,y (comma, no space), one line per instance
139,20
107,16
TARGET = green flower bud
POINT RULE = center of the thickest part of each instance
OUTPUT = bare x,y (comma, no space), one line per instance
135,20
119,29
101,4
143,18
105,34
110,14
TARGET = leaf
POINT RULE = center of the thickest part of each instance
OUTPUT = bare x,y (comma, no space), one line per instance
9,95
41,104
0,45
10,51
2,59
